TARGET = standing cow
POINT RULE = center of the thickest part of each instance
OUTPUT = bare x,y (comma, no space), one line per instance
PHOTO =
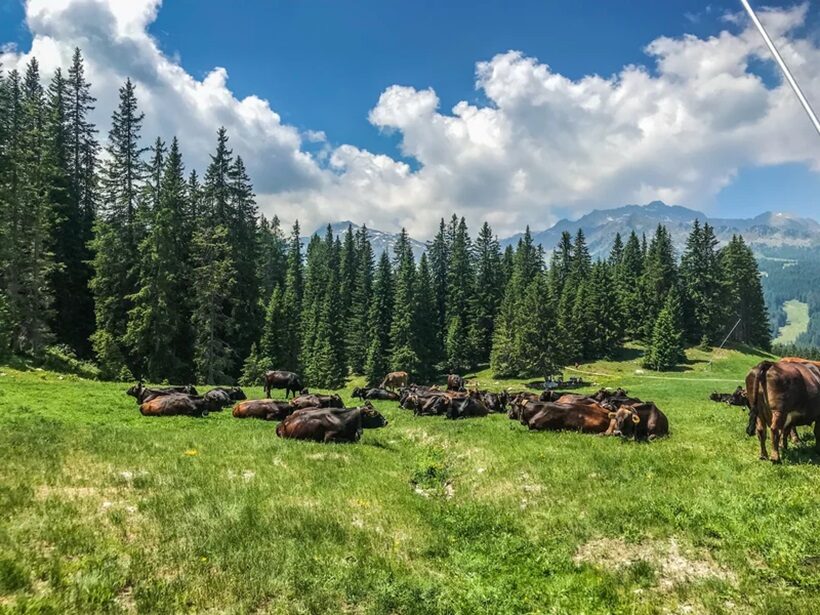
289,381
782,396
395,380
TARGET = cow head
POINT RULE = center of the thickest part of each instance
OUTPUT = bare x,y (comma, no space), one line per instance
135,390
625,419
372,418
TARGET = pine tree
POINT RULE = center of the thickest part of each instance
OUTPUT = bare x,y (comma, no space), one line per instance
292,299
254,368
425,329
403,338
213,279
703,286
489,290
159,330
439,252
744,295
273,345
243,233
30,264
272,248
665,350
659,276
117,234
460,285
377,361
357,329
347,283
627,288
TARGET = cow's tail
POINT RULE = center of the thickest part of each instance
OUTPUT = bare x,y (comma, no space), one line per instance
758,396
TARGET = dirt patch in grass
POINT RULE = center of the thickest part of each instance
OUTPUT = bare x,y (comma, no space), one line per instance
673,564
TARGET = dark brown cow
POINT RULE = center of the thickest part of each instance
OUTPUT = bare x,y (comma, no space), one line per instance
495,402
267,409
174,404
375,393
330,424
290,382
142,393
586,418
455,382
221,397
643,421
782,396
317,401
395,380
465,407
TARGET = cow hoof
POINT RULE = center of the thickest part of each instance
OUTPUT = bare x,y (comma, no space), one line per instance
204,414
763,457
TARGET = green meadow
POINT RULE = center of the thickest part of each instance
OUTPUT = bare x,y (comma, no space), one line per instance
103,510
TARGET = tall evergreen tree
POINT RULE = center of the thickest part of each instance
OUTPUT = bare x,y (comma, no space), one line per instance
439,251
117,234
272,248
159,332
660,274
425,329
744,295
403,328
292,299
666,344
488,292
377,362
460,285
627,287
357,329
703,286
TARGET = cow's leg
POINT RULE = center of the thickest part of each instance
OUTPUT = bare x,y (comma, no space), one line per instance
761,436
777,435
817,437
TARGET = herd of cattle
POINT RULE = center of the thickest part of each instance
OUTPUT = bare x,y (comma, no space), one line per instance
324,418
780,396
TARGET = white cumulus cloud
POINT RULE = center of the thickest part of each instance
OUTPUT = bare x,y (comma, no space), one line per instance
542,145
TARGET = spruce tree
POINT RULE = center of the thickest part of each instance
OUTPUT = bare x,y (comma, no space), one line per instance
439,252
489,289
460,285
425,326
273,345
744,295
703,286
660,274
213,281
117,234
665,350
357,329
627,288
377,361
159,332
292,299
403,329
272,249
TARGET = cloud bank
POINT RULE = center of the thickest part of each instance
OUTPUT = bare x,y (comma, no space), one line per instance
541,146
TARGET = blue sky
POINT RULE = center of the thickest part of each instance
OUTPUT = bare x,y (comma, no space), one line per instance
322,64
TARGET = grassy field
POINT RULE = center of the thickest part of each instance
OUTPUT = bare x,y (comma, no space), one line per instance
107,511
797,321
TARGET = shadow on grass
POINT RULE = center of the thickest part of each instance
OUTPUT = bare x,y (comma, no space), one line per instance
801,454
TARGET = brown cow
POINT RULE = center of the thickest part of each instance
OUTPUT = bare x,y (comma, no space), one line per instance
288,381
642,421
267,409
782,396
174,404
317,401
330,424
587,418
395,380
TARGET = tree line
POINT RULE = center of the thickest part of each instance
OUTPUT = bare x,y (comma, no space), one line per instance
113,251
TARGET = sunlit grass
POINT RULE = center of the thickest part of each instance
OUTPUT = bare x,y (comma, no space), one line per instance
106,510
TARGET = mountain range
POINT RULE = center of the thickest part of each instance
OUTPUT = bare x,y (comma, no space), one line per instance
770,232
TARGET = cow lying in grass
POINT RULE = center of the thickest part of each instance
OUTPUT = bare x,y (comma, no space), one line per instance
142,393
317,401
266,409
222,397
174,404
375,393
738,398
642,421
330,424
556,416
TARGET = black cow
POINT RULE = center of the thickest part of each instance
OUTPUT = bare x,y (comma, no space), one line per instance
290,382
223,397
464,407
142,393
375,393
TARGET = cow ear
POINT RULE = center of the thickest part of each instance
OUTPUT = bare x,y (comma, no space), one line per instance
636,418
612,415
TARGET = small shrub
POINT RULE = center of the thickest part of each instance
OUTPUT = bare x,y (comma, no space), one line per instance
61,358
